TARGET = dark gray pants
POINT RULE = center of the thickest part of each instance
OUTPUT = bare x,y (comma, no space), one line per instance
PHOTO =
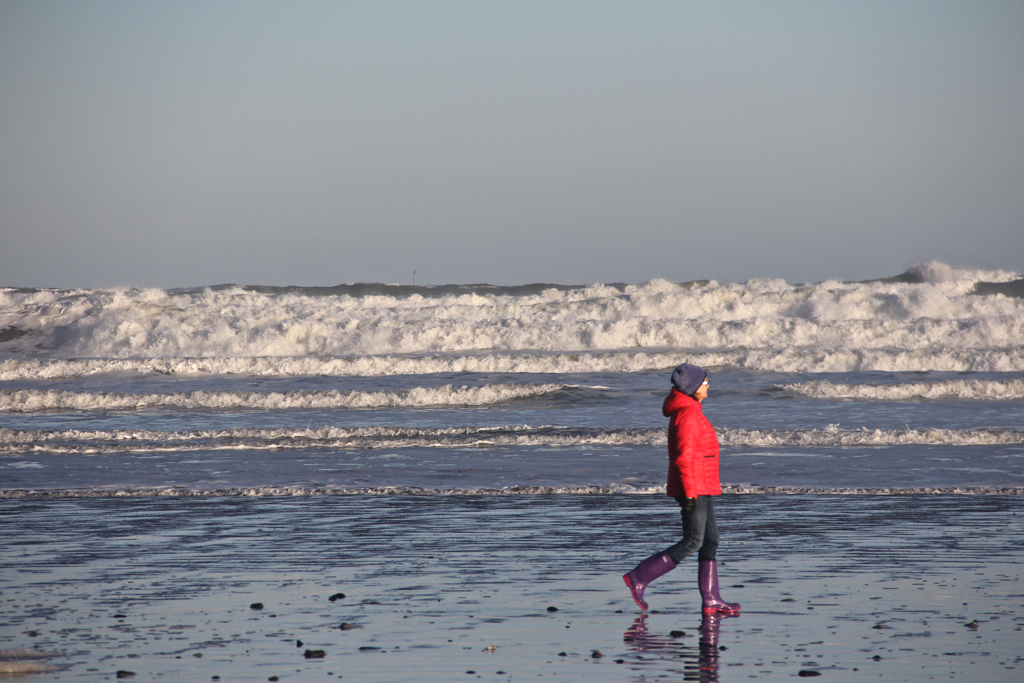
700,530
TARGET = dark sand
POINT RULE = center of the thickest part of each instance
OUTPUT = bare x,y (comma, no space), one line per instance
458,588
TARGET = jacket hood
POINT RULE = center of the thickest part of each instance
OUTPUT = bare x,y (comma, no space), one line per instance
676,401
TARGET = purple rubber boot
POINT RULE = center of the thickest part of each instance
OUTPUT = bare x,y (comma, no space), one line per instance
707,580
645,572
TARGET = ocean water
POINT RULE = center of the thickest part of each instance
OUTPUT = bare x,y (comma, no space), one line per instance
474,467
913,383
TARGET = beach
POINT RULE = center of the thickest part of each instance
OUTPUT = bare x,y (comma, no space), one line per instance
473,468
440,588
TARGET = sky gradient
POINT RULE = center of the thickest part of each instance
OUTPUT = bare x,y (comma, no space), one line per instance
316,143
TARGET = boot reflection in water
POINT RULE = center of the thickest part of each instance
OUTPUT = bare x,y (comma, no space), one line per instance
700,661
637,633
709,652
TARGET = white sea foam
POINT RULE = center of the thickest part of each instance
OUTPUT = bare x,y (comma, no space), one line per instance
27,661
768,360
985,390
584,490
15,442
368,366
36,400
934,323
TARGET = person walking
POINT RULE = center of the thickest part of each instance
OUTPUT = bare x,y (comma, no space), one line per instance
692,481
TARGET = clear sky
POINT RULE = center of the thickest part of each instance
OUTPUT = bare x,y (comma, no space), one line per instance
177,143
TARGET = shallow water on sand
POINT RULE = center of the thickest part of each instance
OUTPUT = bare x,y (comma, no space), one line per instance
448,588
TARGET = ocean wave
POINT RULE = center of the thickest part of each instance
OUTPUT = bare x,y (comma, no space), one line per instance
934,316
363,366
339,438
582,490
35,400
985,390
792,359
15,442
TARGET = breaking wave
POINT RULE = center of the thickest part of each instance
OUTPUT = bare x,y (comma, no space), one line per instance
15,442
586,490
985,390
932,318
765,360
36,400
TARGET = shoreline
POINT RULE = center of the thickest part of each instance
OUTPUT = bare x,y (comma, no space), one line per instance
863,585
179,491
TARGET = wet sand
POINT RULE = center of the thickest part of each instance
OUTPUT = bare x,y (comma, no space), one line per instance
894,588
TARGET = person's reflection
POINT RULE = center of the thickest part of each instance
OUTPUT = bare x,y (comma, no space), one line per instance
700,663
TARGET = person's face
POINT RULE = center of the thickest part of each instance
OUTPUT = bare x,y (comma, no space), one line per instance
702,392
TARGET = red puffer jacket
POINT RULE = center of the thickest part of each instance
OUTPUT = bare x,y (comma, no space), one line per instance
692,449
